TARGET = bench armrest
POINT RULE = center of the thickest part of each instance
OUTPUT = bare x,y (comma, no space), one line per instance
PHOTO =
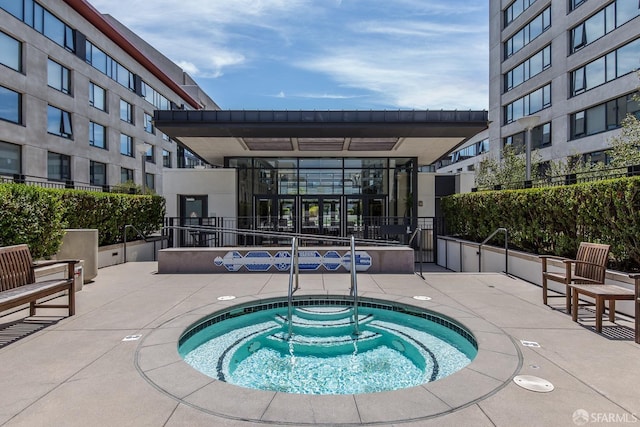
71,265
544,258
552,257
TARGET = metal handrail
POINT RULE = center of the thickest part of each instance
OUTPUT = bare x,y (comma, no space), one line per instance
142,236
300,236
506,249
354,286
417,232
294,271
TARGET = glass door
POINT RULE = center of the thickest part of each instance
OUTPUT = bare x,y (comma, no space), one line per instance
330,216
286,214
310,215
193,210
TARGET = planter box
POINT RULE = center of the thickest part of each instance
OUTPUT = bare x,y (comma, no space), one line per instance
81,244
462,256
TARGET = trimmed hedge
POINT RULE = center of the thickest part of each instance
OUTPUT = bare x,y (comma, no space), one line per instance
32,216
110,212
38,216
554,220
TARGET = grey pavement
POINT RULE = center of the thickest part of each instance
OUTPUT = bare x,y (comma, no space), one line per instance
79,371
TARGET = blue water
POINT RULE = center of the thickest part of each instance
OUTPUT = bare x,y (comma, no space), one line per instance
323,356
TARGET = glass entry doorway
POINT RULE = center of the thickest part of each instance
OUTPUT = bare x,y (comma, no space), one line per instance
193,212
363,216
321,215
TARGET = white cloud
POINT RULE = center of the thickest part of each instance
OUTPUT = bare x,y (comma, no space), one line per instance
403,54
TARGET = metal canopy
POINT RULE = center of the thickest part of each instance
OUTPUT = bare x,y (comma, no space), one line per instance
215,134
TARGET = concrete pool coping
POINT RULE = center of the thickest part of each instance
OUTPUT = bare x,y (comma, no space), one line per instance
497,362
81,370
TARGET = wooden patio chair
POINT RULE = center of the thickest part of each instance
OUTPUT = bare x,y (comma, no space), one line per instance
589,267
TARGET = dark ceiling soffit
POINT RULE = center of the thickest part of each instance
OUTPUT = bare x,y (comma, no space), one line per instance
310,124
329,130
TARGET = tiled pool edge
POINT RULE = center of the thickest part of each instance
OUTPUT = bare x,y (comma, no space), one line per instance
498,360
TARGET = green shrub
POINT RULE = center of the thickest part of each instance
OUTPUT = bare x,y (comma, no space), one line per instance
38,216
33,216
554,220
109,213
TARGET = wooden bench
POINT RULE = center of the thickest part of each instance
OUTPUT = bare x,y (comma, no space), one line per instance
589,267
18,282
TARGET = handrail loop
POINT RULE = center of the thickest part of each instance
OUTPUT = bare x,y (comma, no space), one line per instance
142,236
417,232
506,249
354,286
294,271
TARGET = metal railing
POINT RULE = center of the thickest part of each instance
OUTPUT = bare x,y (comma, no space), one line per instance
567,179
354,287
153,239
417,235
294,272
506,249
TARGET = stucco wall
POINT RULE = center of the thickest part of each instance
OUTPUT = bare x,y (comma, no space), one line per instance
220,185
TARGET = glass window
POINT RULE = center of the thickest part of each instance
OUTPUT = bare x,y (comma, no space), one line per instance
577,80
13,7
528,104
150,180
58,167
150,154
575,3
126,145
606,68
148,123
97,135
97,97
528,33
58,77
529,68
126,111
515,9
10,159
10,105
628,58
126,175
517,142
603,117
606,20
41,20
109,66
97,173
596,119
577,124
626,10
59,122
154,97
10,52
595,73
541,136
166,158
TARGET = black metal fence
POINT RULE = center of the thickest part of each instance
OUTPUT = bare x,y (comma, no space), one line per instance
65,184
569,179
248,231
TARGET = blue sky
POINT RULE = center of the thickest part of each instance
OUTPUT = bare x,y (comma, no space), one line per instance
322,54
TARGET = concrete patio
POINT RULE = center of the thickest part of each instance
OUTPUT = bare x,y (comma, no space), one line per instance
79,371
